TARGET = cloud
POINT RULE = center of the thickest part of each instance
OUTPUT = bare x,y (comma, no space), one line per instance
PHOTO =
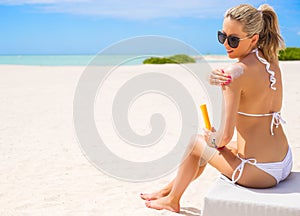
298,33
23,2
134,9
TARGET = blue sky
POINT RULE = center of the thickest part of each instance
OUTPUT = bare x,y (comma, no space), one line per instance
88,26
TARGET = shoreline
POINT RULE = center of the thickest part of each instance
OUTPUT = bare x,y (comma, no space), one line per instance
209,60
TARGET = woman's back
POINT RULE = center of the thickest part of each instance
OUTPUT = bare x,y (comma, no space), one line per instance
259,97
257,94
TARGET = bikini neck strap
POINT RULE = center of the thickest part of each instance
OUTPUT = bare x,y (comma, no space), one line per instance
271,73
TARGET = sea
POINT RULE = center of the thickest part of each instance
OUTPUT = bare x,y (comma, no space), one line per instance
79,60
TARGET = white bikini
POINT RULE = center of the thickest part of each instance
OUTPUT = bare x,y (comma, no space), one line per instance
279,170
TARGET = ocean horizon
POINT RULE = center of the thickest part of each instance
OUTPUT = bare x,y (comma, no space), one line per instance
86,59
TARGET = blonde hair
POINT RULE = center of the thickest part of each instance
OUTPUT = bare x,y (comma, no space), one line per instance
262,21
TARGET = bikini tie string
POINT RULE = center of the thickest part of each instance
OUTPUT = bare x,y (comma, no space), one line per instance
276,120
240,168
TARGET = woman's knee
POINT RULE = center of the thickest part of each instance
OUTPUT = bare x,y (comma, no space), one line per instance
196,145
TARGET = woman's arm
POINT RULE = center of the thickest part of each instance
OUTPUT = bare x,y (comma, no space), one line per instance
231,96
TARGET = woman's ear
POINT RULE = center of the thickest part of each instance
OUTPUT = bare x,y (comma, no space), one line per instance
254,40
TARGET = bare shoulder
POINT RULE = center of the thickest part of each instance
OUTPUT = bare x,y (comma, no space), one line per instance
235,70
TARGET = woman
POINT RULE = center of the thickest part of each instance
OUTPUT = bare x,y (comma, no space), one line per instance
253,101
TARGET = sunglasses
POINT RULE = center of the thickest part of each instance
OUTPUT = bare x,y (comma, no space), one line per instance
232,41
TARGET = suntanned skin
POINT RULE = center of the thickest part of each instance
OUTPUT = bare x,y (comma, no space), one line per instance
250,93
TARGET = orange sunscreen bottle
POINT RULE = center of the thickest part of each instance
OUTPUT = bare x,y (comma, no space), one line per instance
205,116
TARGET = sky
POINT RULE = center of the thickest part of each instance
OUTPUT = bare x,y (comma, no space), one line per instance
89,26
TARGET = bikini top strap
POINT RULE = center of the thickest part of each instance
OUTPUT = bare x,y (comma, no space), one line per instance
272,73
255,115
276,119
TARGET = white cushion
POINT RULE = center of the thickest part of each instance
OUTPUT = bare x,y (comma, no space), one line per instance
227,199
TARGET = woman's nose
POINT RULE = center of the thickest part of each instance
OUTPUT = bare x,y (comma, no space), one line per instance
226,43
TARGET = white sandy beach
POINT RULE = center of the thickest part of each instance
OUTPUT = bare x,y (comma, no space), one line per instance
43,170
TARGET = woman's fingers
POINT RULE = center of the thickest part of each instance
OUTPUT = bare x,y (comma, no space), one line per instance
218,77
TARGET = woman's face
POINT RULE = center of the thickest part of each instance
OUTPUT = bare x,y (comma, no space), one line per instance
235,28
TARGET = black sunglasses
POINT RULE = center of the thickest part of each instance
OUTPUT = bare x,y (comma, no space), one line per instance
232,41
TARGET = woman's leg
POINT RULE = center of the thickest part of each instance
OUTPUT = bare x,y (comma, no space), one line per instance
225,161
186,173
167,189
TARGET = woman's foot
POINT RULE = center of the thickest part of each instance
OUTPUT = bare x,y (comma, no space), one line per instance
156,195
164,203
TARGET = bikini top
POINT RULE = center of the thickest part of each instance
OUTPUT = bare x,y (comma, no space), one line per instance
276,117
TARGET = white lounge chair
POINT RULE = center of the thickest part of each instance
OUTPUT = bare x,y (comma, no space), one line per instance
227,199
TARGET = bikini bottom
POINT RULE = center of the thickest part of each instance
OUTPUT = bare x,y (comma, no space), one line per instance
279,170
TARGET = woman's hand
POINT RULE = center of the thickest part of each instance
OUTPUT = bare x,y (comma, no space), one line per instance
208,136
219,78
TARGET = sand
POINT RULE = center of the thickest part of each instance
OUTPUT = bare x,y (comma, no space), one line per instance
43,170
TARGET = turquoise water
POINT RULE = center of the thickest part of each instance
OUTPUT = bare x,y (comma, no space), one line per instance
66,60
71,60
